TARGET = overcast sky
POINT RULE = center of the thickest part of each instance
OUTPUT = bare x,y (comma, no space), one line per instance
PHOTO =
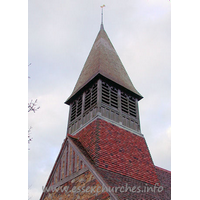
61,35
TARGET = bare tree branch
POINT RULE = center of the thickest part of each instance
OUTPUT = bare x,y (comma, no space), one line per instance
32,106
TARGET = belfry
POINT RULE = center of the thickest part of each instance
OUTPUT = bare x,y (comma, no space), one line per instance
105,155
104,89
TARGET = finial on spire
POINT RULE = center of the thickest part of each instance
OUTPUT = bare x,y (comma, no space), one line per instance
102,16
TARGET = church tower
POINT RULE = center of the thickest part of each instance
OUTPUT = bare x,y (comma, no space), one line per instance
104,147
104,90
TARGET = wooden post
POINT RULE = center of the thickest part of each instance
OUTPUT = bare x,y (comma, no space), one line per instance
82,109
137,113
119,106
99,95
69,118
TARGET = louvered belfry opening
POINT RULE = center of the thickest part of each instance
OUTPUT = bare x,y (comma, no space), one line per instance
90,97
106,99
76,108
128,104
109,95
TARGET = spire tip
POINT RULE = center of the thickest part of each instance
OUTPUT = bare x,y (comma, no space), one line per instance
102,16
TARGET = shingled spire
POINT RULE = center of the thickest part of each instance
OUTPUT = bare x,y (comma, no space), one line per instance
103,60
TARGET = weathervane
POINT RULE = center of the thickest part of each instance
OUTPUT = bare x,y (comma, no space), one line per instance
102,14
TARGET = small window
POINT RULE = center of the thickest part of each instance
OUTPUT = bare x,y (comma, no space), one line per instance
105,93
79,106
76,108
114,97
94,95
109,95
87,99
124,102
132,106
90,97
73,113
128,104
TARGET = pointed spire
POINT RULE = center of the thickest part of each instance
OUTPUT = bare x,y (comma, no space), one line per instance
103,59
102,17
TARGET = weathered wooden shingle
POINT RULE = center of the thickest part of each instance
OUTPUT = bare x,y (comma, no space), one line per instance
103,59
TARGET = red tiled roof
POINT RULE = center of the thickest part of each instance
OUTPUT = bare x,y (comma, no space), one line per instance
117,150
132,188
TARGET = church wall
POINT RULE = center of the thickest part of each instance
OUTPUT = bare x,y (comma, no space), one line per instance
84,186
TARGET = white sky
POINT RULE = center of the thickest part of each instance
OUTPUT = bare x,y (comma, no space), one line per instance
61,35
